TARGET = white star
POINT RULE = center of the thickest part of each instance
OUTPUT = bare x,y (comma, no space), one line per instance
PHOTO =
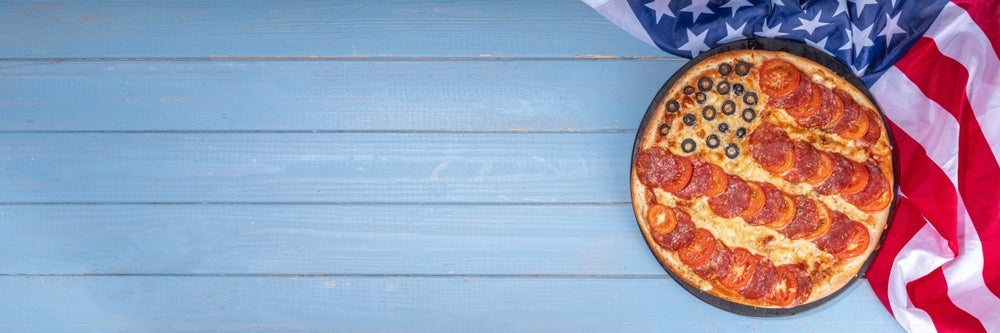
841,8
777,3
810,25
766,31
859,71
697,8
860,5
736,5
860,38
733,34
821,44
695,43
661,7
847,45
891,28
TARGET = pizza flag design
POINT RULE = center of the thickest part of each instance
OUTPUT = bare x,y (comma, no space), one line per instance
932,66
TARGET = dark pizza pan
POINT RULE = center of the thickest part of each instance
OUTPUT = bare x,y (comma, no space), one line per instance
820,57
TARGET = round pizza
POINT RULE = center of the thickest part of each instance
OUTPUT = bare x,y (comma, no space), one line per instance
762,178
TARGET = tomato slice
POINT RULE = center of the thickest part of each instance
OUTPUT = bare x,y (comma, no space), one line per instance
787,214
755,201
824,219
699,250
824,170
855,127
740,269
785,289
661,219
857,180
682,174
778,78
810,106
719,181
857,241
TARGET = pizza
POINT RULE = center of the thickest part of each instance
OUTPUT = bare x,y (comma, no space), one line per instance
762,178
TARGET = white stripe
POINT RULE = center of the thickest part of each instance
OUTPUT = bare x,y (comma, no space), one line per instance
958,37
620,13
922,254
964,276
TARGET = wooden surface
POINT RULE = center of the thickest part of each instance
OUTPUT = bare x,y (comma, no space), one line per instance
419,166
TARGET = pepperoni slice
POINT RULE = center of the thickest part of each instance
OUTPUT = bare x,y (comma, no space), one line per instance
786,215
774,206
874,128
823,172
838,178
680,235
879,204
857,241
771,147
823,221
763,280
835,240
809,107
786,287
857,180
701,178
699,250
733,201
854,124
658,167
719,181
806,219
718,265
803,282
741,268
831,110
802,91
755,201
873,189
778,78
807,163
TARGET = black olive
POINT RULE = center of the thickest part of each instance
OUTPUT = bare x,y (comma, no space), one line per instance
664,129
749,115
750,98
704,84
700,97
725,68
712,141
741,133
732,150
722,87
738,89
708,113
742,68
688,145
689,119
724,128
728,108
688,90
673,106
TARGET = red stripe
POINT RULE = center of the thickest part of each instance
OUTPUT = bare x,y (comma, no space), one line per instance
906,222
977,168
931,292
986,14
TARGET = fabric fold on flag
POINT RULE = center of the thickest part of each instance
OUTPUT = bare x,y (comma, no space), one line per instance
934,69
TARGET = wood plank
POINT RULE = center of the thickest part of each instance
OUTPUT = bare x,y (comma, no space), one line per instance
328,95
324,239
315,167
412,304
387,28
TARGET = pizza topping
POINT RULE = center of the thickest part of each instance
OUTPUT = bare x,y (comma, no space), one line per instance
807,162
806,219
664,129
809,106
673,106
750,98
717,265
771,147
699,250
824,170
742,68
838,177
659,168
803,284
748,115
785,288
712,141
732,150
728,107
763,280
854,124
738,89
858,179
661,219
835,240
879,203
689,119
803,90
776,207
700,97
875,186
823,222
701,178
778,78
688,90
708,112
725,68
705,84
831,111
722,87
874,129
723,127
733,201
857,241
755,201
741,133
741,267
688,145
785,215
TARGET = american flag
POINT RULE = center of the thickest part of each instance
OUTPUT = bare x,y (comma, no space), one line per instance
934,69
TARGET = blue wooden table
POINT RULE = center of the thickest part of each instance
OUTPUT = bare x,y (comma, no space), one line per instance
418,166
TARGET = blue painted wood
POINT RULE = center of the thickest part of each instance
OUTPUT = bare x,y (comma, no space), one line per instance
315,167
329,95
383,28
410,304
